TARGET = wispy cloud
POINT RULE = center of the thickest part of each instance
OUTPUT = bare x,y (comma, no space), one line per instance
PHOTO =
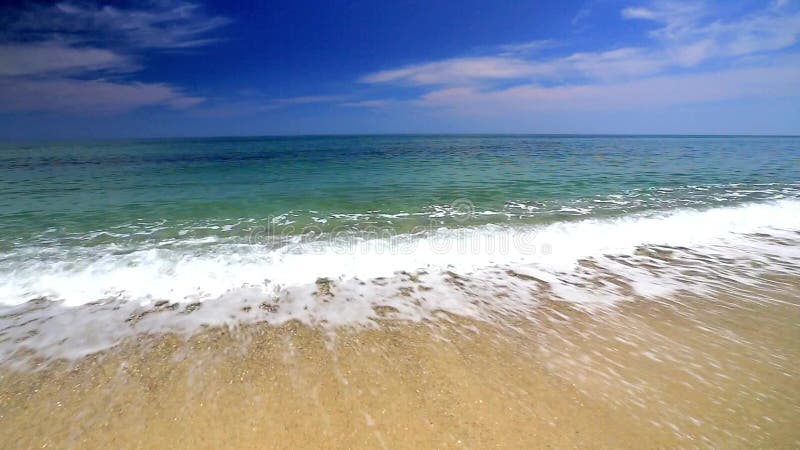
610,64
456,71
379,103
526,48
69,95
768,82
582,14
687,46
165,24
53,57
684,25
61,56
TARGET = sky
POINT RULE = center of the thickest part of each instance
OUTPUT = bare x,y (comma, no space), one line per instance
88,69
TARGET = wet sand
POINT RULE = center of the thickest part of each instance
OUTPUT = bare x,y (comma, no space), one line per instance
689,372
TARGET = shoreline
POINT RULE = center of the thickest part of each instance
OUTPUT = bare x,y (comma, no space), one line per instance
684,371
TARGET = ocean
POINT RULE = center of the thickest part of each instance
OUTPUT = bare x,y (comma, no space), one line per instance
194,220
104,242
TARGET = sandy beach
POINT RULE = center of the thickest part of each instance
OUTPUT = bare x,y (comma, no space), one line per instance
687,372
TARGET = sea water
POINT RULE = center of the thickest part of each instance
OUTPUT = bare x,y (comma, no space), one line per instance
96,235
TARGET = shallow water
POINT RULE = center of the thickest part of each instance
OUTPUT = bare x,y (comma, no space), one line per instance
716,371
235,223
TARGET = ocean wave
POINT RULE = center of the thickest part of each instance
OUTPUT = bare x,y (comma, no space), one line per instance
70,301
205,268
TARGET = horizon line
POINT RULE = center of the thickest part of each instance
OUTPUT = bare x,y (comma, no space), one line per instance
410,134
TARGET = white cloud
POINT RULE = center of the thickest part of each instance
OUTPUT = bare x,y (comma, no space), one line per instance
616,63
367,103
583,14
682,41
677,17
159,24
456,70
638,13
58,57
667,90
527,47
87,96
688,24
55,57
674,68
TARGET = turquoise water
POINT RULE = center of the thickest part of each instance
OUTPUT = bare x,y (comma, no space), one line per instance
98,237
188,188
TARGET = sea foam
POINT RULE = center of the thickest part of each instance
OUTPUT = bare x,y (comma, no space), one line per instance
483,272
191,273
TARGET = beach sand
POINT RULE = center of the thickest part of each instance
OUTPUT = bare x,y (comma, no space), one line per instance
687,371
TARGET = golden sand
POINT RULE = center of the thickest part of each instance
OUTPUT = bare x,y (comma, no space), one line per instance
644,374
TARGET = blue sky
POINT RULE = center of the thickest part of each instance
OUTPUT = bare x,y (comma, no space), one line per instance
83,69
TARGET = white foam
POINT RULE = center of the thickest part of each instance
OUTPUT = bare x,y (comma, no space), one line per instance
189,273
486,273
